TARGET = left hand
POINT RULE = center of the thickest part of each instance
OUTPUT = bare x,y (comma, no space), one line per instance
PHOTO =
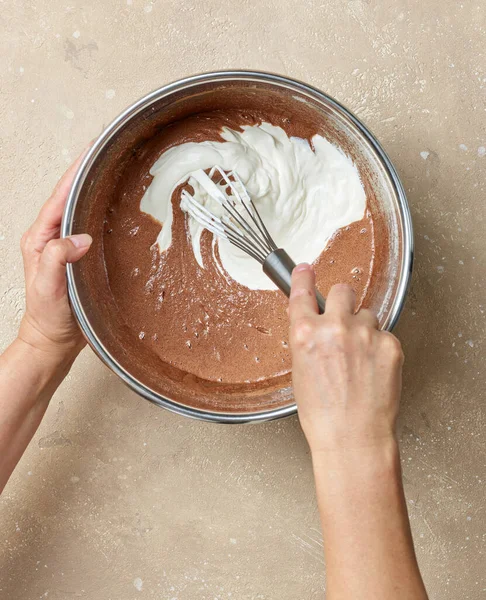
48,324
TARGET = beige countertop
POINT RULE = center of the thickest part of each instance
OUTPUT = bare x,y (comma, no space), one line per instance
118,499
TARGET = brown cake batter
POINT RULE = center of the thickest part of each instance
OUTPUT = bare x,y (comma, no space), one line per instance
197,319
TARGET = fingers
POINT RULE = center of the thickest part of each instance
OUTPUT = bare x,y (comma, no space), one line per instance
302,300
341,300
51,275
47,224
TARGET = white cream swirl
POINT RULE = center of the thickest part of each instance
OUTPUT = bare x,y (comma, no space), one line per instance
303,194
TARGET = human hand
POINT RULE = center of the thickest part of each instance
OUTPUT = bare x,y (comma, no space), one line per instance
347,380
48,325
346,374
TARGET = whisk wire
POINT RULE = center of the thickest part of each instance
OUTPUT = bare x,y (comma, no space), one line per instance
234,226
254,213
236,237
244,226
202,215
260,235
248,250
249,234
221,227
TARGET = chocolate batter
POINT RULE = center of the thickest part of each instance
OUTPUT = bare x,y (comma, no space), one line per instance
198,320
147,319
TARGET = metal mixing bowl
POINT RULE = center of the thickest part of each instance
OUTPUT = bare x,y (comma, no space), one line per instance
188,96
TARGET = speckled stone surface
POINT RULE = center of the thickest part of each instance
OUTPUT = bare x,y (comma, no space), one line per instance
118,500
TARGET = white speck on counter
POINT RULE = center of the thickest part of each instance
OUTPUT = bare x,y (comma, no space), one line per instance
470,343
440,269
424,154
21,70
76,34
67,112
110,94
138,584
463,147
481,151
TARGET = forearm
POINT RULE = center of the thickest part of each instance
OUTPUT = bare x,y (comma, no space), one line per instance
367,539
28,379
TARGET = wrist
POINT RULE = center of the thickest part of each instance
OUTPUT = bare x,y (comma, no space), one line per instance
30,375
350,465
49,350
363,434
49,362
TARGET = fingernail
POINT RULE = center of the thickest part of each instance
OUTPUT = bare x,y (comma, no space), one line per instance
302,267
81,240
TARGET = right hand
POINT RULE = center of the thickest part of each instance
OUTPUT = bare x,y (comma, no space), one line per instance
346,374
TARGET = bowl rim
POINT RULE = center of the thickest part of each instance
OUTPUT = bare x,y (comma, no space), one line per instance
143,103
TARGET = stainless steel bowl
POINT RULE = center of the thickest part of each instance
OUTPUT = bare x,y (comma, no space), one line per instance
347,130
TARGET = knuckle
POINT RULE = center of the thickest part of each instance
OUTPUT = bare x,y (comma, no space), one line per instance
392,347
303,332
365,334
54,250
334,337
336,330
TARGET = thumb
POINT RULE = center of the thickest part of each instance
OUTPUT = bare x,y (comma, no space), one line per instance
51,274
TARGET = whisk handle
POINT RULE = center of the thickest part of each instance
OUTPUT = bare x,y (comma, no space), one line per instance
279,266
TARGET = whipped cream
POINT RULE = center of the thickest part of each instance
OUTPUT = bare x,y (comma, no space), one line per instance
304,193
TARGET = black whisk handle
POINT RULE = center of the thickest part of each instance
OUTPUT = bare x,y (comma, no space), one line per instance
279,266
